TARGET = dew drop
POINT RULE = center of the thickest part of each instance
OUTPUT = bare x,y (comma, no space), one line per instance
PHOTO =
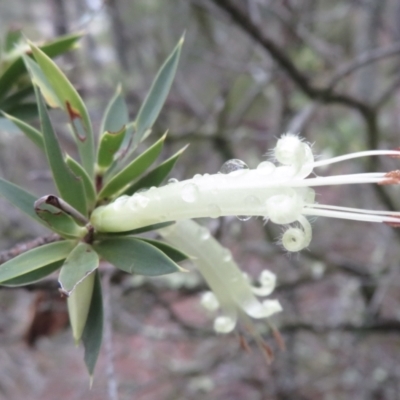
190,193
214,211
266,168
172,181
243,217
252,201
197,177
138,200
232,166
204,233
227,255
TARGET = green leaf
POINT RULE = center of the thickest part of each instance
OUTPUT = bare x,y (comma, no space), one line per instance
20,198
32,133
157,95
78,171
17,68
81,262
16,98
24,111
35,259
93,332
157,175
110,142
73,104
148,228
79,305
34,276
58,220
173,253
116,114
13,37
132,170
135,256
39,79
69,186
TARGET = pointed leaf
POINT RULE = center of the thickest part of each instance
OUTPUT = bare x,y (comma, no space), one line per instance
173,253
116,114
132,170
16,98
35,259
81,262
20,198
31,132
34,276
110,142
69,186
78,171
58,220
157,95
93,332
135,256
73,104
154,227
157,175
17,68
13,37
39,79
79,304
24,111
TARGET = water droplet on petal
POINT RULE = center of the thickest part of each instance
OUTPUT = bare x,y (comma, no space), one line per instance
227,255
138,200
266,168
172,181
214,211
204,233
243,217
232,166
190,193
197,177
252,201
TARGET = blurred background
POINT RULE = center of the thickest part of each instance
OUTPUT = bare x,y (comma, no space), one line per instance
250,70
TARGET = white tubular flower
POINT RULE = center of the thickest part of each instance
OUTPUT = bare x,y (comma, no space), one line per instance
281,193
231,290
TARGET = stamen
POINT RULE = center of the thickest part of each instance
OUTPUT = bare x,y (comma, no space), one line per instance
393,178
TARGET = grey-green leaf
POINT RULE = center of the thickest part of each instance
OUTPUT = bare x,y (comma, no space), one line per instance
132,170
135,256
34,276
69,186
82,261
157,95
93,332
173,253
35,259
157,175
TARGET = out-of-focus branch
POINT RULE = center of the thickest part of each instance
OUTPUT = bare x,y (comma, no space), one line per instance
23,247
380,326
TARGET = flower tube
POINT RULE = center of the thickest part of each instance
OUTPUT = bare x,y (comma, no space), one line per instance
283,193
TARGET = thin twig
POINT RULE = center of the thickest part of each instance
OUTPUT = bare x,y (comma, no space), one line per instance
112,384
23,247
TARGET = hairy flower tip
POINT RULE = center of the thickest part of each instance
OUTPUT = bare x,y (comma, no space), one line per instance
292,151
297,238
391,178
232,293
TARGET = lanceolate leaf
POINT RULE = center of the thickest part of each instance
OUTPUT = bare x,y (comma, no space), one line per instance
69,186
58,220
20,198
79,304
132,170
93,332
173,253
31,132
78,171
34,276
157,175
158,93
35,259
135,256
82,261
154,227
110,142
17,68
72,103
